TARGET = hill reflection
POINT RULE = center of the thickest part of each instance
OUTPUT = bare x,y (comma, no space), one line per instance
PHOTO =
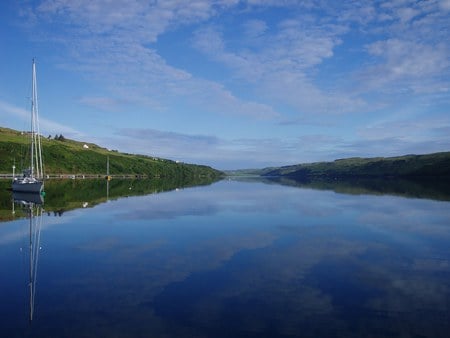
434,189
64,195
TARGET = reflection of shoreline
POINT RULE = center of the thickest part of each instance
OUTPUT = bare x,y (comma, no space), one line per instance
434,189
66,195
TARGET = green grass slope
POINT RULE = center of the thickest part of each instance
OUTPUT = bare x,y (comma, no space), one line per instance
430,165
71,157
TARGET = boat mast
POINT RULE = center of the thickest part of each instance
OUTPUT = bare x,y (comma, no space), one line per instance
33,102
36,150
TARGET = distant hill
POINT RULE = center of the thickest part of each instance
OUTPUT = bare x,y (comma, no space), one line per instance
408,166
65,156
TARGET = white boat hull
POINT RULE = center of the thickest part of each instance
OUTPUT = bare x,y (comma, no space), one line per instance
25,186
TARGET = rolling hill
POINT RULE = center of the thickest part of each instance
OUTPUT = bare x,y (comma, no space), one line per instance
408,166
65,156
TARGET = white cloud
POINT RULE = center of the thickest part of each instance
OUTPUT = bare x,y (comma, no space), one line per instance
282,62
210,41
111,45
406,14
254,29
401,135
418,129
360,12
102,103
406,58
404,65
227,154
444,4
219,99
143,20
46,126
115,42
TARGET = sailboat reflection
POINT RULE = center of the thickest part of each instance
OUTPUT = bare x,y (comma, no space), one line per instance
33,205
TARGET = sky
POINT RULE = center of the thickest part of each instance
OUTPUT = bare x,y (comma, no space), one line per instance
232,84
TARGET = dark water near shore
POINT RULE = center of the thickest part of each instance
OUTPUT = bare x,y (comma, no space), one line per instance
231,259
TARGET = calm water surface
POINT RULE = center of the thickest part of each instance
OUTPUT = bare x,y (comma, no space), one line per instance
233,259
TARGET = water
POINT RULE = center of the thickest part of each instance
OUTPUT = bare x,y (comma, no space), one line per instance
231,259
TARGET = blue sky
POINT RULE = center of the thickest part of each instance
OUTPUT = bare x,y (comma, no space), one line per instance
229,83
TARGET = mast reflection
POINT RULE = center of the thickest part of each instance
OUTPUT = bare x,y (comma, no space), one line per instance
32,204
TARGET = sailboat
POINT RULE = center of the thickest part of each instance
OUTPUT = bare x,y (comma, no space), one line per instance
32,178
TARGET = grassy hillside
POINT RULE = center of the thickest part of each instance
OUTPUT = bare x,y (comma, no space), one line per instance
71,157
431,165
